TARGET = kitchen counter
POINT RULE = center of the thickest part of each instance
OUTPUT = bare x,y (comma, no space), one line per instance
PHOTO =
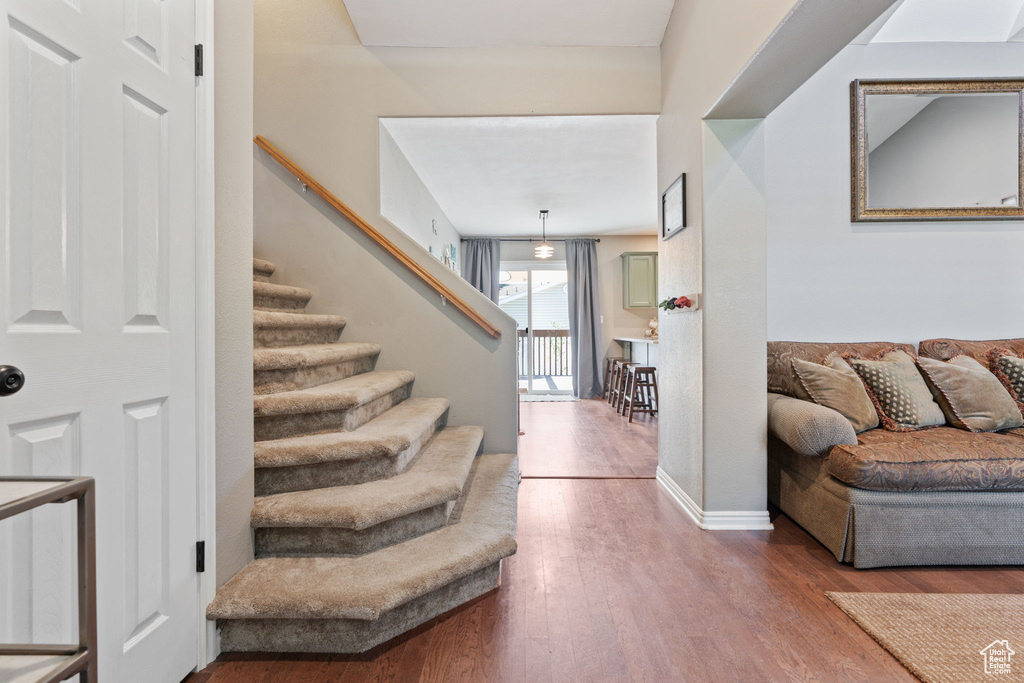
643,350
636,340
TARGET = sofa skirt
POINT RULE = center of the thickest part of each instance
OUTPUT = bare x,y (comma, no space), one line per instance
893,529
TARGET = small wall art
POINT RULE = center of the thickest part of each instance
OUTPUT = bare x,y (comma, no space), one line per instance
673,208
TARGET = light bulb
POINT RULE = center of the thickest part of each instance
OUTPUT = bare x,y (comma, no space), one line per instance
544,250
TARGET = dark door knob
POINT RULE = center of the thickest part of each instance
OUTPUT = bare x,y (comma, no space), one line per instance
11,380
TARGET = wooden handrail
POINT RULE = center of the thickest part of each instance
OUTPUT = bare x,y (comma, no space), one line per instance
377,237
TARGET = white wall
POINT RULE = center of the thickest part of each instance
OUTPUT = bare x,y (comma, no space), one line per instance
406,201
833,280
706,44
618,321
233,44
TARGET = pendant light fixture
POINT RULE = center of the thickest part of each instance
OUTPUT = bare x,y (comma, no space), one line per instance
544,250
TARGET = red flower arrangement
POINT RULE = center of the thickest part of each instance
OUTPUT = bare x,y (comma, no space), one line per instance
673,303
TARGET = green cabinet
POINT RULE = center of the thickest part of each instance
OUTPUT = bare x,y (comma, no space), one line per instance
640,279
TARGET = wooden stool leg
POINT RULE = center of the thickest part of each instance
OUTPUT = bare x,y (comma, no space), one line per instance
620,387
619,376
613,391
611,383
637,389
629,393
645,403
624,394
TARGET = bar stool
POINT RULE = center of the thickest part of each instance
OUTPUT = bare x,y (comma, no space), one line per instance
608,363
619,371
641,392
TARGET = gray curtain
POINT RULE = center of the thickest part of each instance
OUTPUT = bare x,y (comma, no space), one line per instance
584,317
483,263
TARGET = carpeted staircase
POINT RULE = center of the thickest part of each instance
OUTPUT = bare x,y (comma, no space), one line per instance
372,515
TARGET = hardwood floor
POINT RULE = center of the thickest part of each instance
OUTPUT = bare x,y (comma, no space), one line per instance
585,439
612,582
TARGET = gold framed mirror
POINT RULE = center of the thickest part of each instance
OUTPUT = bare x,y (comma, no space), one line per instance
937,150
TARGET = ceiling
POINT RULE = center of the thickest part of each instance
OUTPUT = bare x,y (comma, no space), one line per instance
491,176
955,21
508,23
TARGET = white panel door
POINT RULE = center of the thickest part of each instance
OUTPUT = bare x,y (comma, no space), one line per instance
97,301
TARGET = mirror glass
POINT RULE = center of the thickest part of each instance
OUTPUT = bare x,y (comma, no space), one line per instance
942,150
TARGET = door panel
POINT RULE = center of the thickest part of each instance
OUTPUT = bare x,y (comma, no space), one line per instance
40,546
44,225
97,301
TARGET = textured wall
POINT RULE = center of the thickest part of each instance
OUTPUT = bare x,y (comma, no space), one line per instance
735,372
706,44
233,42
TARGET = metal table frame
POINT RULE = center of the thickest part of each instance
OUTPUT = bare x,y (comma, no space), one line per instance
81,658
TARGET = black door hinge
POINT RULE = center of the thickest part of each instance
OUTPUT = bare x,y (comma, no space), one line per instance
200,556
199,59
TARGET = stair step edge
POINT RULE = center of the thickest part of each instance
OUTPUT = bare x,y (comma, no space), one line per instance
265,267
376,438
437,477
280,319
343,394
311,355
365,587
276,291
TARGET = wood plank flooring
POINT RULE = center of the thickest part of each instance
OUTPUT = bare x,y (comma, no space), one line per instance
585,439
612,582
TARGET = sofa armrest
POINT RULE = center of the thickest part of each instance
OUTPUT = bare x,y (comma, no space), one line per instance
807,428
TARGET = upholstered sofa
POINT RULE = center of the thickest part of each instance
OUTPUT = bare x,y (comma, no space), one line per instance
939,496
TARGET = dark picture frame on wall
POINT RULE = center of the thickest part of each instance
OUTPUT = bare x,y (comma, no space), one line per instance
673,208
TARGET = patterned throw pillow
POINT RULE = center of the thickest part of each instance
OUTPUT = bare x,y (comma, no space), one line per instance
902,398
970,396
1009,368
835,385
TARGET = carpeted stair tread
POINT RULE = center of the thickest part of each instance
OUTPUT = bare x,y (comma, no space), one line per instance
364,587
311,355
437,477
280,297
386,435
261,268
292,328
341,395
279,320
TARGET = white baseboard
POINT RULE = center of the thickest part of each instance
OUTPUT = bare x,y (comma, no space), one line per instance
714,521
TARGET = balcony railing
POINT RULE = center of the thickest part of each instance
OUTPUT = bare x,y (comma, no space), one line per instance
551,353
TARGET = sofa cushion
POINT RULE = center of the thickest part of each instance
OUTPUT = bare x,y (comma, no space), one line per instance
835,385
941,459
1009,368
970,396
945,349
902,398
807,428
782,353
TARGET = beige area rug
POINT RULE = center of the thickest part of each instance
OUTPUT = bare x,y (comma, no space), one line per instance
945,638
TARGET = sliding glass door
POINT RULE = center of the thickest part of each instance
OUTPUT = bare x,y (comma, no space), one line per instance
536,295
